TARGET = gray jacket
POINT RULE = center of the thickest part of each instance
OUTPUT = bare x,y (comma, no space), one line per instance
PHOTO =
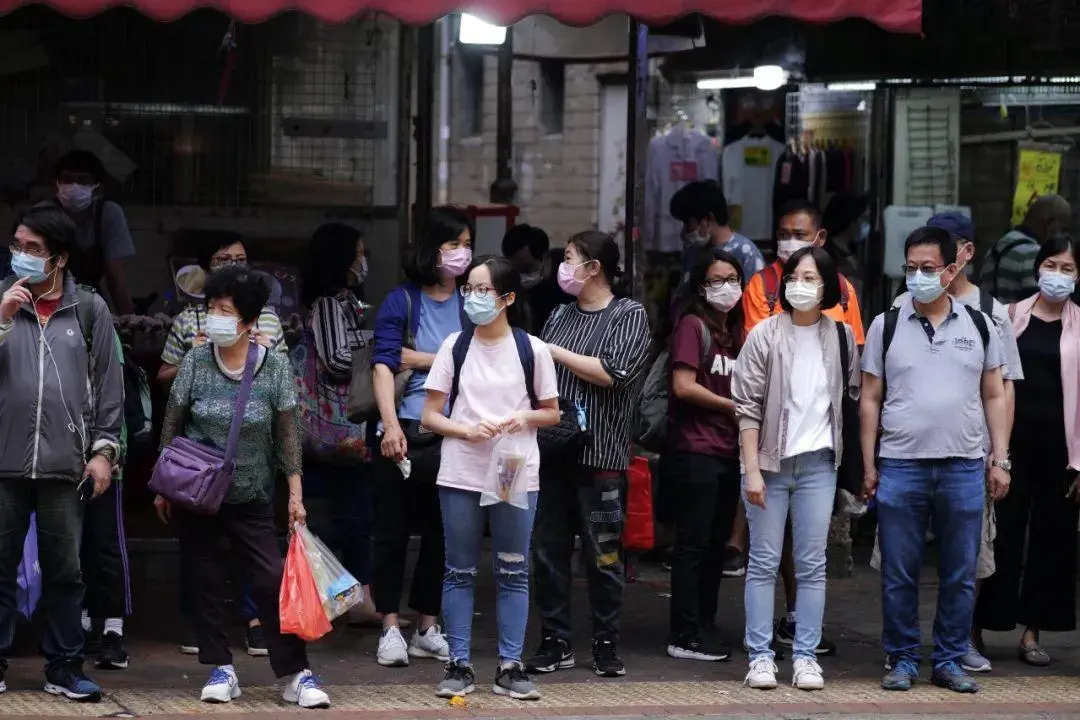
57,405
759,383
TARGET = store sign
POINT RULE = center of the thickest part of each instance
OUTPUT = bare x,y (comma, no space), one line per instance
1040,174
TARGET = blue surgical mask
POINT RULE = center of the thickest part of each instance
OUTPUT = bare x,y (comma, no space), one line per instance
925,287
1056,287
28,266
482,310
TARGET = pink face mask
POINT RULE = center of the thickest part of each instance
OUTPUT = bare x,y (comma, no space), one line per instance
455,262
568,279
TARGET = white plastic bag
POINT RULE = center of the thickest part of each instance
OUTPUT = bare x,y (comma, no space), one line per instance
338,589
507,479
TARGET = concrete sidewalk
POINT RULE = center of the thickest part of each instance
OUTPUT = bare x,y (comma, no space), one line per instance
161,681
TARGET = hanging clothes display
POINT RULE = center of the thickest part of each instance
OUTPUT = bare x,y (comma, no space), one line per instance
749,171
679,157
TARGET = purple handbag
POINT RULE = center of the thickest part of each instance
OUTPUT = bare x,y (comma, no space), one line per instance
195,477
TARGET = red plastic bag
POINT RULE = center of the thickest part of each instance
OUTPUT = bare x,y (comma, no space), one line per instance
300,607
639,533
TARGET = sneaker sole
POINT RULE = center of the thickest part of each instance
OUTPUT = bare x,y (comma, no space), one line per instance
235,693
427,654
609,673
734,573
112,665
258,652
455,693
506,692
963,691
683,654
189,650
93,697
759,685
567,664
295,700
982,669
809,685
393,662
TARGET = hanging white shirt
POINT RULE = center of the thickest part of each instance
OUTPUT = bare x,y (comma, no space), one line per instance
749,166
675,160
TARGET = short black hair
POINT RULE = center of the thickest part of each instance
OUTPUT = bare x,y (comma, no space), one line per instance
799,206
699,200
932,236
49,220
1055,245
443,224
505,279
528,236
331,253
210,241
246,288
601,247
826,267
82,161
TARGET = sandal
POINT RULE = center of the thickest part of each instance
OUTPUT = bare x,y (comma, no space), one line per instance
1033,654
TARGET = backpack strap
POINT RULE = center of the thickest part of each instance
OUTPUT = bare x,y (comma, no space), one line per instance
770,278
986,303
461,349
528,364
84,313
888,331
845,360
980,324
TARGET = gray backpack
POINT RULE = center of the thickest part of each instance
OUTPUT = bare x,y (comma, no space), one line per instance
651,421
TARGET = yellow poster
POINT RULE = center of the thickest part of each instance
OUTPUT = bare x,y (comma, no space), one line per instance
1039,174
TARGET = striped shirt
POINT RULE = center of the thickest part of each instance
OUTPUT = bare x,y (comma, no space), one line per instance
337,327
624,353
192,321
1008,272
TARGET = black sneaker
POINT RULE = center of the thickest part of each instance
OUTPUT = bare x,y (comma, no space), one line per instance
512,681
91,642
112,655
606,660
734,562
698,649
69,681
553,654
256,641
459,681
785,635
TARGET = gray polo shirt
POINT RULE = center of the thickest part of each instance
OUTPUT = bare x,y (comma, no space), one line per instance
933,400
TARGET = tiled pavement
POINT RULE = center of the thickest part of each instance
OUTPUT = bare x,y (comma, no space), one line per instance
162,682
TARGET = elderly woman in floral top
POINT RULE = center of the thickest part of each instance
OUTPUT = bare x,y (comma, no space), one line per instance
201,407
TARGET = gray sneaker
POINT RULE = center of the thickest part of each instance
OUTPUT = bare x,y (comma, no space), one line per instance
512,681
459,681
974,661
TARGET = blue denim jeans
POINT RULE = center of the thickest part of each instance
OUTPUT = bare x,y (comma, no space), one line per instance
511,533
952,491
60,526
805,485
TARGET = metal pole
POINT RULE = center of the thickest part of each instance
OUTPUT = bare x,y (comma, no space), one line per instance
423,122
406,49
637,147
504,189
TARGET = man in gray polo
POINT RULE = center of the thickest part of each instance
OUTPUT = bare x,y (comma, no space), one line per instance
962,231
932,376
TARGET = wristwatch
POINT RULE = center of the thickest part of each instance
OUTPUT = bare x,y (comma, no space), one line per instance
1005,465
109,453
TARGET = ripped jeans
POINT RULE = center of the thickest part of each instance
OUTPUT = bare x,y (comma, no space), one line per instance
511,533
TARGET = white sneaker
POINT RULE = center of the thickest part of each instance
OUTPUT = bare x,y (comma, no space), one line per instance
303,689
762,675
393,652
430,644
806,674
222,687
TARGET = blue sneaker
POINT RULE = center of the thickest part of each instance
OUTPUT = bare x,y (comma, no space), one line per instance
901,677
70,682
951,676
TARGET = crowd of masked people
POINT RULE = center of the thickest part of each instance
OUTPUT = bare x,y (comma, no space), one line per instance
784,413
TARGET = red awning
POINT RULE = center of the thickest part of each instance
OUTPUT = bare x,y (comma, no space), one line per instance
894,15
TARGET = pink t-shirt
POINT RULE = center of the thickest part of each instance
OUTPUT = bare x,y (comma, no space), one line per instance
491,388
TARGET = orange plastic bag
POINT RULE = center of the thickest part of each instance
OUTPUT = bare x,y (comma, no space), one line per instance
639,533
300,607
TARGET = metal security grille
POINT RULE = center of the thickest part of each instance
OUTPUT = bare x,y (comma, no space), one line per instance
201,111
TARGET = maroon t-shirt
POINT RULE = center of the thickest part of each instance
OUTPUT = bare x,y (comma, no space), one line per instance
692,428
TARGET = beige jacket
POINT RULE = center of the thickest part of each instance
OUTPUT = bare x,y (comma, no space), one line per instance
759,383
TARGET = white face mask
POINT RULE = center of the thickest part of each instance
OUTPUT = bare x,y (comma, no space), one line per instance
787,248
804,295
724,297
222,330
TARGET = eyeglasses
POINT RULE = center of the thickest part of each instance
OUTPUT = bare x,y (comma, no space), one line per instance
721,282
803,278
223,260
912,269
478,290
32,251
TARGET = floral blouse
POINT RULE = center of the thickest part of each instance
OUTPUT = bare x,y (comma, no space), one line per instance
201,407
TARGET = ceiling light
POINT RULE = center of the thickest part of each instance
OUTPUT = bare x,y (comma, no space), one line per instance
769,77
728,83
474,31
860,86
